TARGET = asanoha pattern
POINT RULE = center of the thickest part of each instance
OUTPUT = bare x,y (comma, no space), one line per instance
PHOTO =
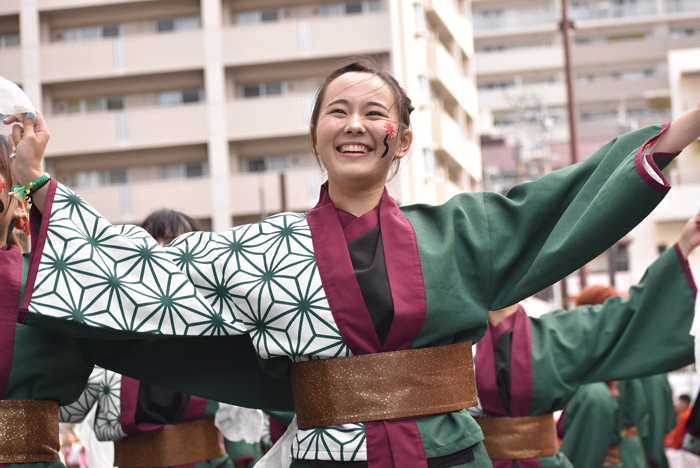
260,279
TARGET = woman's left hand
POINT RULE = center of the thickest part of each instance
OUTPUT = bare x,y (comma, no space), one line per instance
690,237
29,142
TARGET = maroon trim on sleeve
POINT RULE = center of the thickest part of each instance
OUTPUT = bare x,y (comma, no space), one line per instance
10,288
38,239
521,365
129,398
195,409
686,270
243,458
639,163
485,370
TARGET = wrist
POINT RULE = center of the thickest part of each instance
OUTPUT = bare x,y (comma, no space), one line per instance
685,247
25,177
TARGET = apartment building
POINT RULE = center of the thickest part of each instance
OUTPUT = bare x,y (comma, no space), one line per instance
203,105
621,76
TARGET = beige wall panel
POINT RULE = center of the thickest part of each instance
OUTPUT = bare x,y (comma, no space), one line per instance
371,34
11,65
168,126
609,89
608,54
260,44
520,60
250,119
106,200
8,7
162,52
80,60
191,196
90,133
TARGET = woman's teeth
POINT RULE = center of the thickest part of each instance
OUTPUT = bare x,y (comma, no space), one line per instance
353,149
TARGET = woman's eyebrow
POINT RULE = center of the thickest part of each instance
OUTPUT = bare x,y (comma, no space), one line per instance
345,101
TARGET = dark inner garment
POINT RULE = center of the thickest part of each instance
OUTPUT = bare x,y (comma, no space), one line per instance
367,256
501,354
158,405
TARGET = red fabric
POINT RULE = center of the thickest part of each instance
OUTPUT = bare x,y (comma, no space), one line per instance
277,430
674,439
389,443
10,287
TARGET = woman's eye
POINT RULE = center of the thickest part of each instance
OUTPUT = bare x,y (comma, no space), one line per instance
375,114
337,111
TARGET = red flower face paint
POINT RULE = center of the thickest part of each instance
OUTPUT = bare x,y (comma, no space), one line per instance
390,133
389,130
3,187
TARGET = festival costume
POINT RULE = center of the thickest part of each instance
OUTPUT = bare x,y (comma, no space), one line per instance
634,413
529,366
133,415
662,418
318,286
591,428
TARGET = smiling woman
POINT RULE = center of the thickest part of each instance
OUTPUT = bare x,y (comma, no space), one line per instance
369,306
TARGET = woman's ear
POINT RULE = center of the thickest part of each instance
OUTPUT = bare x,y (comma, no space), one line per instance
404,144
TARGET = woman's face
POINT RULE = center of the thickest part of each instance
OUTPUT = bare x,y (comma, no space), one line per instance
357,117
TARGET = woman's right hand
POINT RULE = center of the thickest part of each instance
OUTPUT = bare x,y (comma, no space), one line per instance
690,237
29,142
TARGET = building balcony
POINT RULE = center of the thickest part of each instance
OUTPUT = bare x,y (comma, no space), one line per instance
514,21
270,117
553,95
141,54
679,205
61,4
9,7
131,129
681,6
613,53
11,64
306,39
445,72
251,194
457,24
597,10
452,141
609,89
525,59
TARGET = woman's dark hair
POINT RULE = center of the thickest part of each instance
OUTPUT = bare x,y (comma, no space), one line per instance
364,65
168,224
6,172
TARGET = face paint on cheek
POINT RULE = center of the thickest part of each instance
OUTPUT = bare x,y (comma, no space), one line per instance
390,132
3,187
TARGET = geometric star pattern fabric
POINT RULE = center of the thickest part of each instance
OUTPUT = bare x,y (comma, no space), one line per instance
260,279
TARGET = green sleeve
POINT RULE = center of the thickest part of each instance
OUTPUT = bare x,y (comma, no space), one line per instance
590,426
624,338
506,248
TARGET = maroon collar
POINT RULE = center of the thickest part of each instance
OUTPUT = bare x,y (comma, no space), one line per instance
10,288
353,226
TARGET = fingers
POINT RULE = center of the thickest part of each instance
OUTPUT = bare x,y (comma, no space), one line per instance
9,120
40,128
29,125
17,132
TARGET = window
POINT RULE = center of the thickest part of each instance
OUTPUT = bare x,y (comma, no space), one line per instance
9,40
266,163
195,169
116,176
684,32
175,98
258,16
184,170
419,13
351,7
100,104
254,90
424,86
92,33
186,23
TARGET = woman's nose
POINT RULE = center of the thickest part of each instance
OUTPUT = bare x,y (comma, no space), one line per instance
355,126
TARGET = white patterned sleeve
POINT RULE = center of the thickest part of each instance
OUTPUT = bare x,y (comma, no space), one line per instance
116,278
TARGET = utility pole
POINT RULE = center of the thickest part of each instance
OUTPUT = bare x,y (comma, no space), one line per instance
566,26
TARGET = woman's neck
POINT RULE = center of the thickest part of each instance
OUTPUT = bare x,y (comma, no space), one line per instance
355,202
497,316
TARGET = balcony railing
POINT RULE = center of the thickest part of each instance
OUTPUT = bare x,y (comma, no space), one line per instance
444,69
680,6
604,9
520,59
250,119
134,128
251,194
513,19
137,54
306,39
498,100
11,64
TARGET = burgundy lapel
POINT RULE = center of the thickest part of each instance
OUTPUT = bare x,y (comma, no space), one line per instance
129,398
405,275
354,228
195,409
338,277
485,369
521,365
10,288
